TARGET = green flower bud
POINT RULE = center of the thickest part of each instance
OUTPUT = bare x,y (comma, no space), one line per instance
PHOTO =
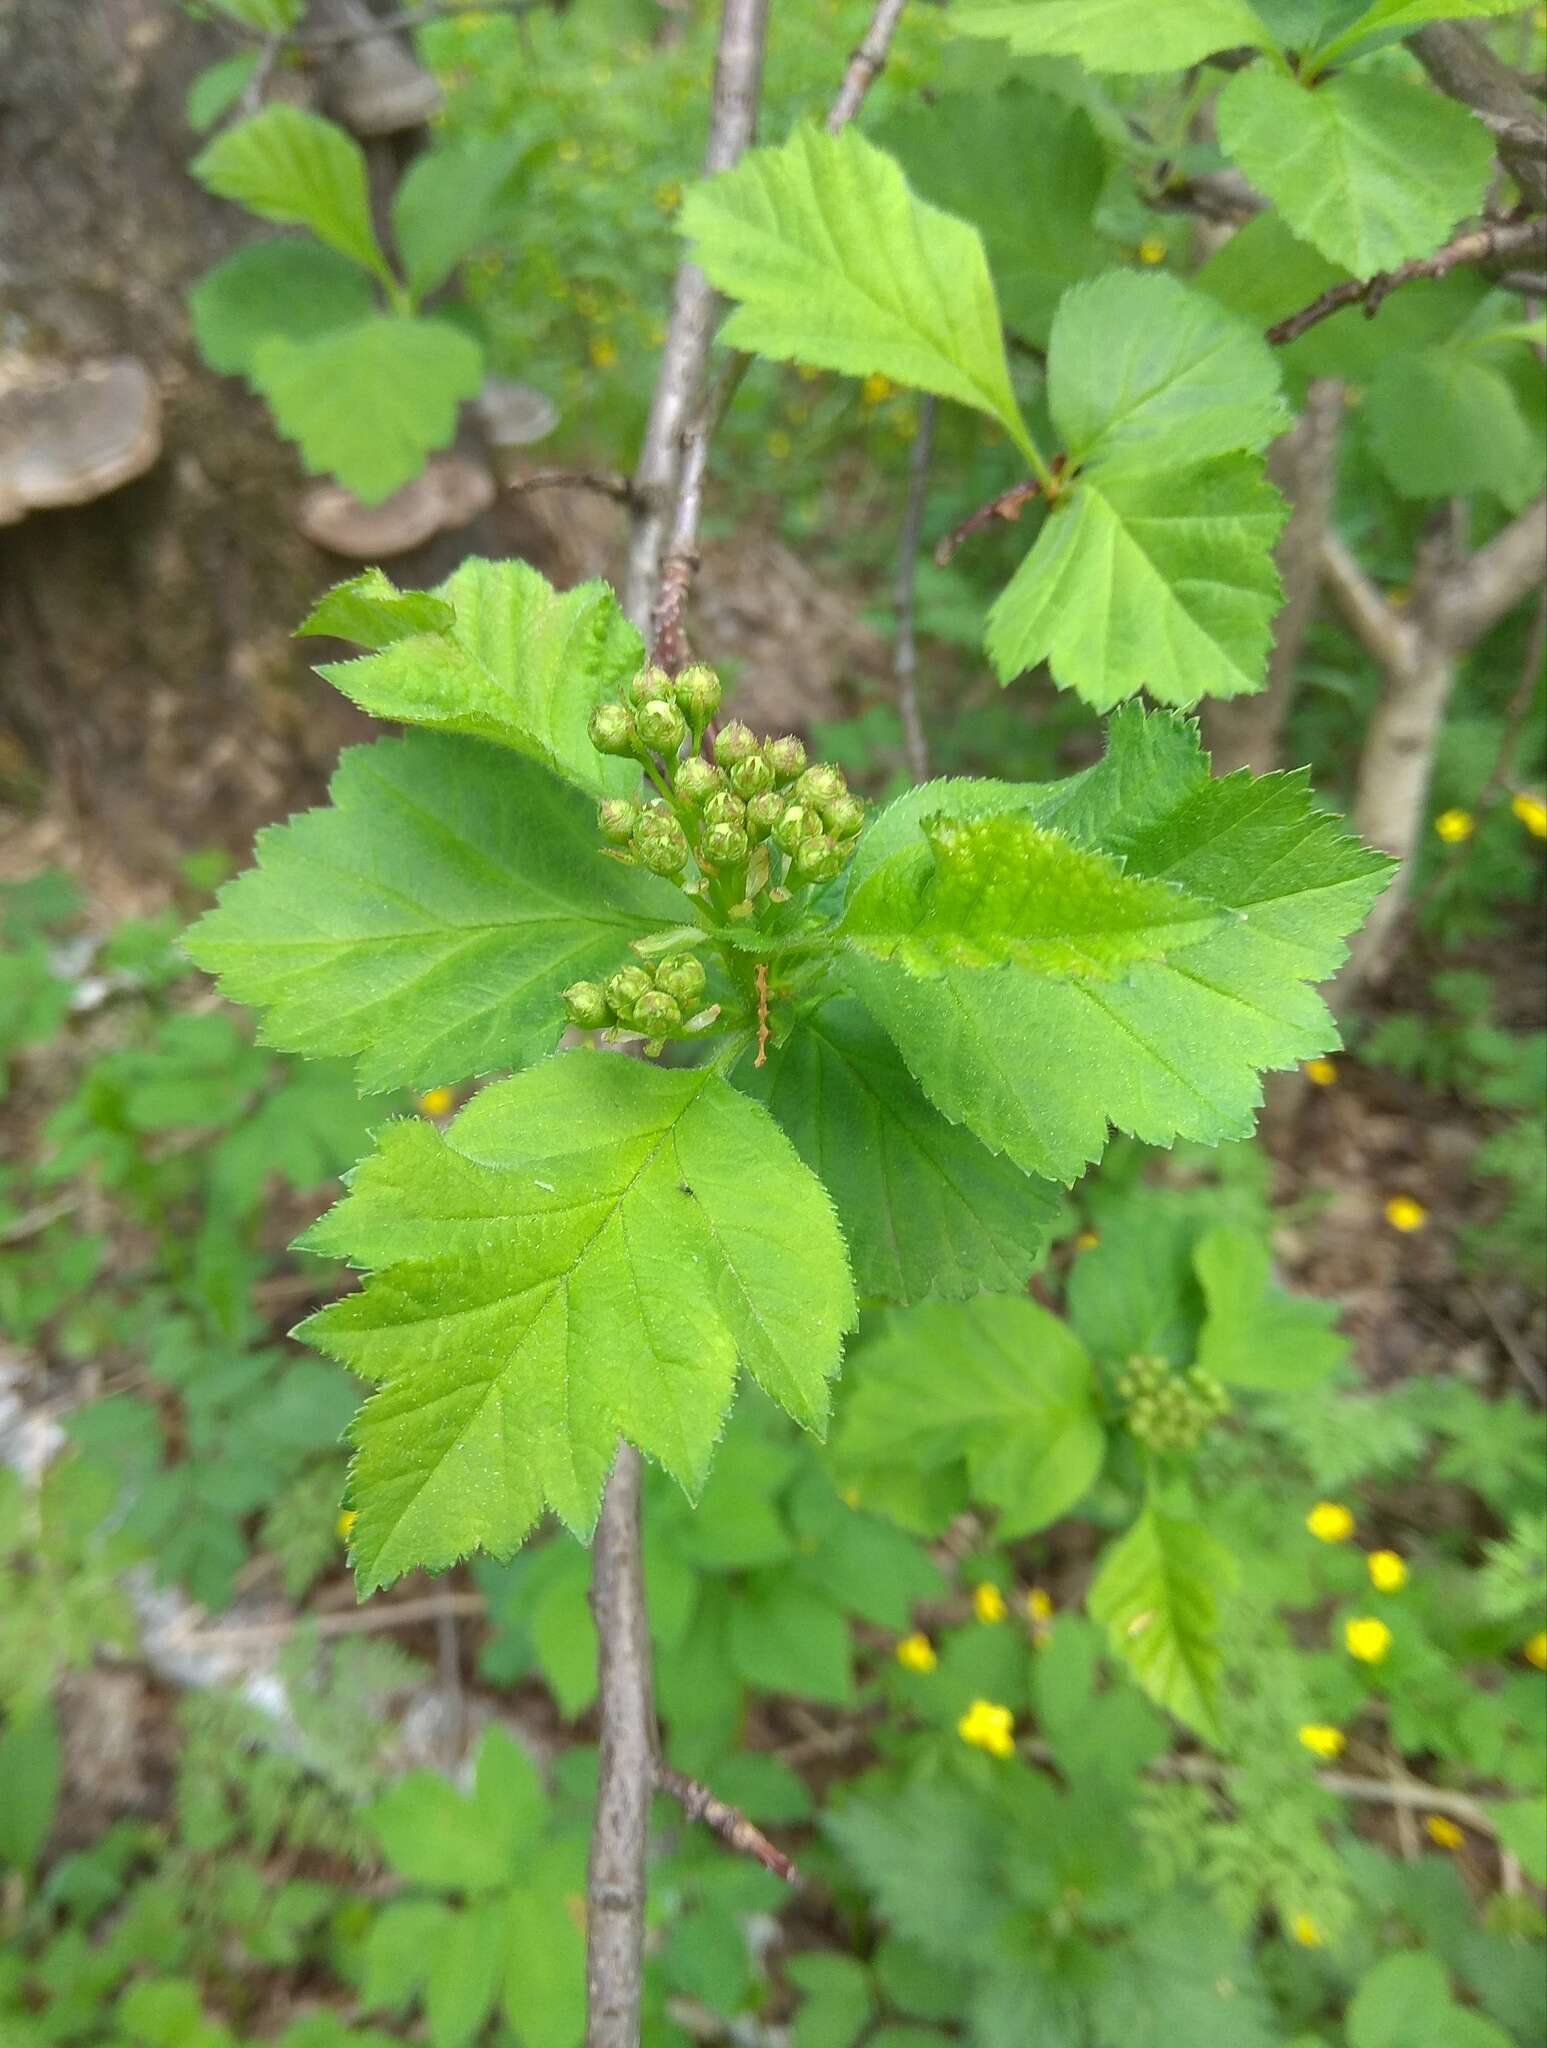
752,776
648,685
786,757
817,860
723,808
734,742
820,785
661,725
625,988
617,819
843,816
725,845
697,690
764,812
697,780
683,979
660,844
585,1005
656,1013
797,822
611,727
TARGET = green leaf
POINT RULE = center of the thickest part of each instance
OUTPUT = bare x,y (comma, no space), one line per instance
1155,1595
428,919
435,1835
925,1207
1256,1335
284,287
589,1251
930,1854
1405,2002
216,89
1145,374
286,165
1163,582
834,262
273,17
996,1381
544,1994
1039,1067
988,891
836,2002
786,1637
1370,169
368,403
1390,18
979,156
1521,1825
369,609
445,204
463,1980
1115,35
1445,422
507,658
397,1951
29,1786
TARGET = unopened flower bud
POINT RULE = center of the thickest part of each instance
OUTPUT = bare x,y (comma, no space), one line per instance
843,816
697,780
763,813
661,725
611,727
648,685
752,776
734,742
585,1005
660,844
797,822
617,819
625,988
656,1013
697,690
683,979
725,845
818,860
786,757
820,785
724,808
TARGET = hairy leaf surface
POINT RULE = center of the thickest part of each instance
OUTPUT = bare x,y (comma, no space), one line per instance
428,918
588,1252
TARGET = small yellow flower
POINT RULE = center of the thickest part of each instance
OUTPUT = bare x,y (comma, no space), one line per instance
668,196
1406,1214
1039,1605
1306,1932
435,1102
988,1603
1388,1572
875,388
916,1653
988,1727
1454,826
1152,250
1536,1650
1322,1072
1367,1637
1532,813
345,1522
1443,1833
850,1496
778,444
1330,1522
603,351
1323,1740
1086,1241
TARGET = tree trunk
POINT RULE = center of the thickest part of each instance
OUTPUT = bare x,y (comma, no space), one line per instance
1390,801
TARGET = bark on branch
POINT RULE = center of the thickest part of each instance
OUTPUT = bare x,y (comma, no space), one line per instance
1498,239
1462,65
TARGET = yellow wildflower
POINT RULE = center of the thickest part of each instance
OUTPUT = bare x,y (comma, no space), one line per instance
345,1522
1406,1214
988,1727
875,388
1443,1833
1536,1650
916,1653
1388,1572
778,444
1367,1637
1152,250
1086,1241
1330,1522
1323,1740
1039,1605
1306,1932
988,1602
435,1102
668,196
1322,1072
850,1496
1454,826
1532,813
603,351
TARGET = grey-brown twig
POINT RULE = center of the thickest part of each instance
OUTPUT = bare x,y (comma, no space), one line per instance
865,64
905,653
731,1825
1497,239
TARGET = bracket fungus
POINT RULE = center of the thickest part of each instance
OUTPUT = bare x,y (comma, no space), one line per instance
374,85
449,492
72,433
514,415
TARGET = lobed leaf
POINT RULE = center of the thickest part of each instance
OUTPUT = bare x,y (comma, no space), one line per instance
1155,1595
293,167
1256,1335
586,1254
427,920
1115,35
446,203
286,287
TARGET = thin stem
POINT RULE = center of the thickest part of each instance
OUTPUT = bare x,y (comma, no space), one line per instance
865,64
1477,245
905,654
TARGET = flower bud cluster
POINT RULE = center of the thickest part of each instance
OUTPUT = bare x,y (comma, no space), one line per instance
1170,1411
662,1001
